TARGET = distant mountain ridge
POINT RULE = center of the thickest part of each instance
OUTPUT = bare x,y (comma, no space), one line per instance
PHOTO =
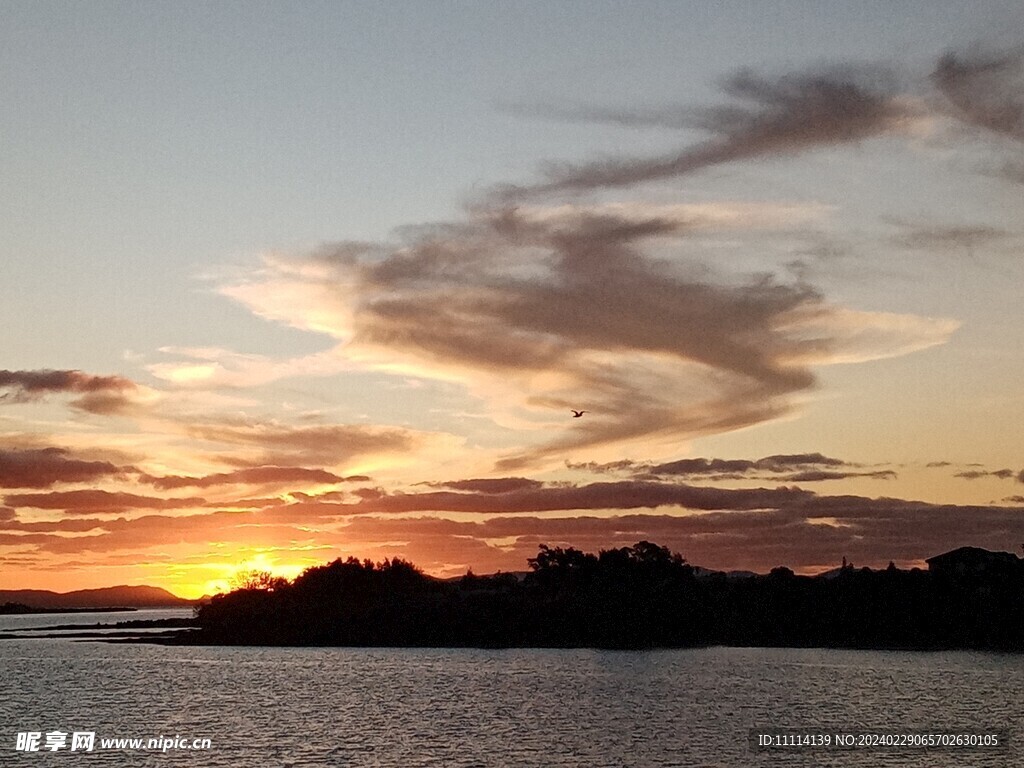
106,597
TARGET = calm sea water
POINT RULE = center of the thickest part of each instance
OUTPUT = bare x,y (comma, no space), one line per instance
456,708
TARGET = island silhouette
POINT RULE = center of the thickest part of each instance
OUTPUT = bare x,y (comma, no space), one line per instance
644,596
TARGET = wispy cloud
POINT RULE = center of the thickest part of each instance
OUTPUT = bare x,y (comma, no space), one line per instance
212,368
802,111
769,116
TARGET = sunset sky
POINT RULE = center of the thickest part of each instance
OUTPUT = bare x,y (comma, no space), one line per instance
284,282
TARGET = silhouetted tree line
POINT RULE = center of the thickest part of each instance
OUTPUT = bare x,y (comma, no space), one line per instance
634,597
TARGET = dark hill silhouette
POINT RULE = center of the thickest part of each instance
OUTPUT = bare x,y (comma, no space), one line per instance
634,597
122,596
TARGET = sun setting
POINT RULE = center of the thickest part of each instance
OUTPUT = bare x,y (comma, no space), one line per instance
557,325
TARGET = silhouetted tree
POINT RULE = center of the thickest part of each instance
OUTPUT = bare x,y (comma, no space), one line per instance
259,580
628,597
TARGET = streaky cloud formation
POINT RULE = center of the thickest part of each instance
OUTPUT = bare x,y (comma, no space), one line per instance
779,463
671,118
248,476
625,494
629,494
785,115
751,528
803,111
999,474
93,501
284,445
492,484
794,468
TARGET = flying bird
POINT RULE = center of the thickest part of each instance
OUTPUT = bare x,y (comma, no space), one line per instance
576,414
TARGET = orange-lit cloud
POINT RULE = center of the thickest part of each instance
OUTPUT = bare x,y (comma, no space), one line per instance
752,528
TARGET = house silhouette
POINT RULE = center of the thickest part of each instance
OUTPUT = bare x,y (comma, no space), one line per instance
972,561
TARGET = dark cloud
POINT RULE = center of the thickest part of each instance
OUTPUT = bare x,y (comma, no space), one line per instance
44,467
492,485
250,475
777,463
700,466
793,468
35,383
627,494
1001,474
607,467
986,90
102,395
92,501
7,514
816,476
636,494
784,115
